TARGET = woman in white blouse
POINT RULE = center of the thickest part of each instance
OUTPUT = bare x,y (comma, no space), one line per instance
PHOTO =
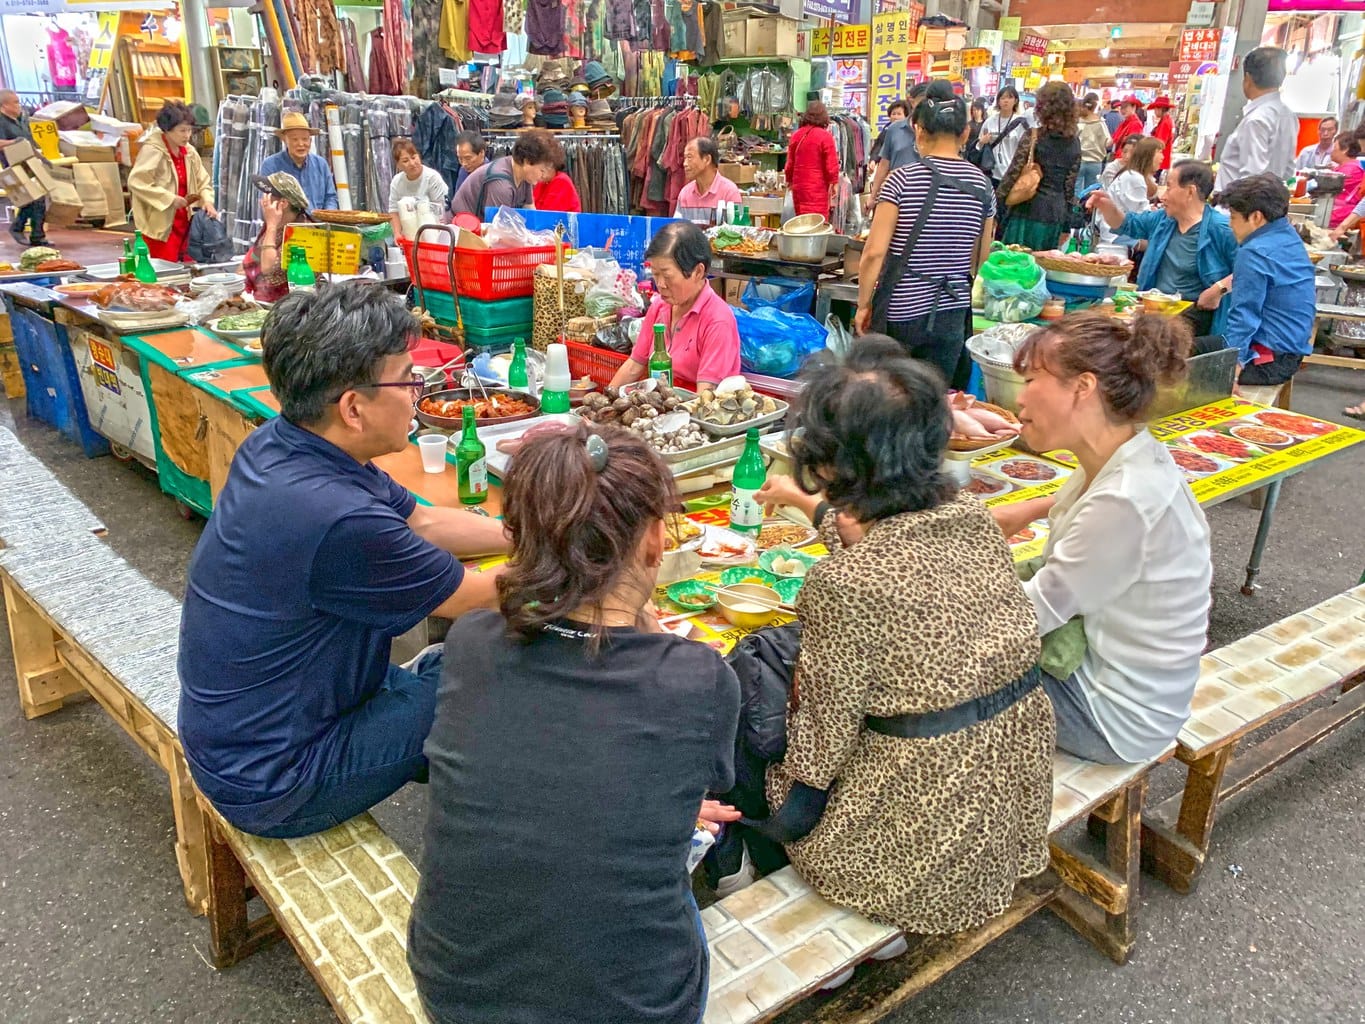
1003,130
1128,549
1134,187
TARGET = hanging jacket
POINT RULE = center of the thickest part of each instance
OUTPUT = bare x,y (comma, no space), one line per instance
434,136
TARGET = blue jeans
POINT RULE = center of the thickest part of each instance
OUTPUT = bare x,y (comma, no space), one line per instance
1077,731
371,754
706,957
1088,175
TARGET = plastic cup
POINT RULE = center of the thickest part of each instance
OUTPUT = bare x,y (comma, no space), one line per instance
433,448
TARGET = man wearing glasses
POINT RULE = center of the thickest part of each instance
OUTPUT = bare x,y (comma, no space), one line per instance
291,715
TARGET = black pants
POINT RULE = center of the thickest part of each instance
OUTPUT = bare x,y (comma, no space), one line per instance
30,216
939,345
1277,371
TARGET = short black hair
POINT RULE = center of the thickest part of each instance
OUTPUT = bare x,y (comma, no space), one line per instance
917,91
1196,173
900,105
471,139
316,346
875,426
1008,90
707,149
943,112
1260,193
682,242
1265,66
173,114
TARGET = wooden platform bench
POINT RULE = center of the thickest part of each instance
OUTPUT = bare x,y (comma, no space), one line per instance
1243,688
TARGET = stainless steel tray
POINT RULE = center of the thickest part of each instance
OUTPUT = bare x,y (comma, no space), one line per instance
739,429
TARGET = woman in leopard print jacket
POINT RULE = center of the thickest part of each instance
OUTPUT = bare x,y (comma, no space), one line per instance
917,731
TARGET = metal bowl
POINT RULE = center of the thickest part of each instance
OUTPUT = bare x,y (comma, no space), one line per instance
1087,280
807,224
802,248
454,422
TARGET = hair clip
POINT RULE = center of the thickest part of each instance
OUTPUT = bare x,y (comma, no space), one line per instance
597,452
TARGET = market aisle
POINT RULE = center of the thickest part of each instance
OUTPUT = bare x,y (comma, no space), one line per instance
95,928
86,246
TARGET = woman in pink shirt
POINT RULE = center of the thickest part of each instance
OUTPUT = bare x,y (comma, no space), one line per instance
1346,156
700,330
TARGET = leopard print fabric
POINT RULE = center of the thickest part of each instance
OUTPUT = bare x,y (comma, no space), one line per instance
928,835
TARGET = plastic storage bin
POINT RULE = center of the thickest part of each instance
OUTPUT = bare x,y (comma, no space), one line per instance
52,387
478,273
593,361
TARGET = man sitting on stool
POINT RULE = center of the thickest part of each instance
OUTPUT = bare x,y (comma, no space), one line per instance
1190,248
291,716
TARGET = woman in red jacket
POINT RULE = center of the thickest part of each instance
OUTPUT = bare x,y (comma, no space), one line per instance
1164,130
559,193
812,163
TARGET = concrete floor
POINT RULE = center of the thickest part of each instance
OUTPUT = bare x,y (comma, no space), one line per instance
93,927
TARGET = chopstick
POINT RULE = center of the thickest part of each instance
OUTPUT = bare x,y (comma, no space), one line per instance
768,606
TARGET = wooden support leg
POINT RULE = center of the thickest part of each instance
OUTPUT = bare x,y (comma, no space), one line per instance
1098,899
43,680
1176,856
234,937
191,830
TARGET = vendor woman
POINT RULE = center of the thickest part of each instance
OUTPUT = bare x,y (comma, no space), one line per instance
166,180
701,334
282,203
1128,550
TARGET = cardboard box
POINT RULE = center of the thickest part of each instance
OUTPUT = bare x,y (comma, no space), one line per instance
17,152
87,147
100,188
20,187
68,115
734,37
39,172
740,174
771,37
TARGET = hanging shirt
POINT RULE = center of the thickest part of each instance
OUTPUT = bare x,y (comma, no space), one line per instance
486,32
454,31
545,27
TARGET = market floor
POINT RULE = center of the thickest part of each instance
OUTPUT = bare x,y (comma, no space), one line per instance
93,928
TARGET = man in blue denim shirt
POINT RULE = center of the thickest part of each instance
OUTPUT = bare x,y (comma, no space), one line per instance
1274,299
298,160
1190,248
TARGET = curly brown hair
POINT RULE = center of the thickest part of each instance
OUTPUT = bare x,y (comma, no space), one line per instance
1056,110
575,530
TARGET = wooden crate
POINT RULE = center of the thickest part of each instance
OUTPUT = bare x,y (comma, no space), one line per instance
11,376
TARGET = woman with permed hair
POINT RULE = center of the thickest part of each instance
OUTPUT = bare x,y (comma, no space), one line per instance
167,179
1037,223
917,781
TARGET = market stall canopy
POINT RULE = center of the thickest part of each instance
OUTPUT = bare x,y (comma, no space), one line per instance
1139,48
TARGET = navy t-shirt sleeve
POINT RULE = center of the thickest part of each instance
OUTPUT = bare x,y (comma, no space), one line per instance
372,568
726,722
399,498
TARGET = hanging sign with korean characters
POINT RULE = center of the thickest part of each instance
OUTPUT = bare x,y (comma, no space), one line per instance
1032,43
848,40
890,54
1198,44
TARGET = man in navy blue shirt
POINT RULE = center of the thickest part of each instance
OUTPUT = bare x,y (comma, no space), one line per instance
291,716
1274,298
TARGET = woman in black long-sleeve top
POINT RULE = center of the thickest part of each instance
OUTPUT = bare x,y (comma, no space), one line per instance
1038,223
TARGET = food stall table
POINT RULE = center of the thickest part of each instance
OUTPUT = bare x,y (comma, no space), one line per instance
725,266
53,392
226,417
178,423
1350,314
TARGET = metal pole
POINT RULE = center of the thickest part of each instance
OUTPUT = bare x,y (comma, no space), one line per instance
1250,23
194,24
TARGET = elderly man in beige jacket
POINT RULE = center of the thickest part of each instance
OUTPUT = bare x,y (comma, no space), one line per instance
167,180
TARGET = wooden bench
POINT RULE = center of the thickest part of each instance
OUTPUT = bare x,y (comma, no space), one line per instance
1242,688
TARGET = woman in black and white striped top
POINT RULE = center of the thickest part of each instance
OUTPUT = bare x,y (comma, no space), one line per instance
931,231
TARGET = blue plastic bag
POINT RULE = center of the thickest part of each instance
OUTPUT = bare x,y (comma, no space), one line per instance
775,343
779,293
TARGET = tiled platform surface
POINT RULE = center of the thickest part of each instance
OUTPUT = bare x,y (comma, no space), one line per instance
344,898
1246,683
777,940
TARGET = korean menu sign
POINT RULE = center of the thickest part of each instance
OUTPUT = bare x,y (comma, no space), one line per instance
845,40
891,34
1198,44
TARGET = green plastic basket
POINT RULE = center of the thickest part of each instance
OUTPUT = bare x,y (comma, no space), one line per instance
490,315
485,337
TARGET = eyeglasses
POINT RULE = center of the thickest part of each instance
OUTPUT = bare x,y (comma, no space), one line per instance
417,384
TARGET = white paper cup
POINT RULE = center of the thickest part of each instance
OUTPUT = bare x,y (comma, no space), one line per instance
433,448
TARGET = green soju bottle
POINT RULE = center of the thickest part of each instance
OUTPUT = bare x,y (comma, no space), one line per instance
127,263
142,261
299,273
471,462
516,370
746,514
660,363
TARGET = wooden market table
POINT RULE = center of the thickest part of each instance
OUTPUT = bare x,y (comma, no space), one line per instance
1330,312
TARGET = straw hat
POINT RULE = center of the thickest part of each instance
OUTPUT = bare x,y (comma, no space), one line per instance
295,122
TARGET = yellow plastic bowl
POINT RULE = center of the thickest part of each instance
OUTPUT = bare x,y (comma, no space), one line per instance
740,613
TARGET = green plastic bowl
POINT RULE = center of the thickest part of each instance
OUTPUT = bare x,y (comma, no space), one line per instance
694,589
789,587
747,574
766,560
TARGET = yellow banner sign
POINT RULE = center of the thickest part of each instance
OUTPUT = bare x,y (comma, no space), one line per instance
890,53
102,48
848,40
45,138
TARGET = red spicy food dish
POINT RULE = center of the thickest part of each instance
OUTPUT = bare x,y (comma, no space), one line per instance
1262,435
1217,444
1027,469
1193,462
1300,425
1024,536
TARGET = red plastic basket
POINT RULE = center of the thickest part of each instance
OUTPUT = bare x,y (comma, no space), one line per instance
481,273
600,364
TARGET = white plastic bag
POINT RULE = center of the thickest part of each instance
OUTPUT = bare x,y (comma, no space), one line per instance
509,231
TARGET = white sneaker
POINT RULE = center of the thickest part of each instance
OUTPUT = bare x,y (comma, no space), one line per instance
728,885
897,946
411,665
